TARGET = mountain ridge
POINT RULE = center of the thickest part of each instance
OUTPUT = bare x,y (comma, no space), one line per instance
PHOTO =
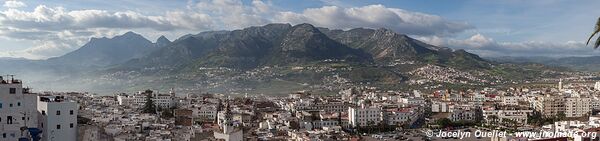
106,51
276,44
238,59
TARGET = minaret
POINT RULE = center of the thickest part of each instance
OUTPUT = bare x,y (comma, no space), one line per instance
227,125
560,85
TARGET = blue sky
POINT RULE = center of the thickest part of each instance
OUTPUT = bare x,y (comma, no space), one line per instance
42,29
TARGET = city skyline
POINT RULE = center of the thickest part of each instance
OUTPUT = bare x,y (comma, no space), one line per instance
315,70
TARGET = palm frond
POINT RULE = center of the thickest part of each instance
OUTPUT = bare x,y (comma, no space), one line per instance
596,30
597,43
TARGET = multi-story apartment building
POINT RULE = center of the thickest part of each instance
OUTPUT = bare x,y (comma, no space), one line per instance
17,109
139,99
58,118
364,115
503,113
310,104
399,116
205,112
412,100
21,109
549,105
570,106
510,100
439,107
578,106
464,114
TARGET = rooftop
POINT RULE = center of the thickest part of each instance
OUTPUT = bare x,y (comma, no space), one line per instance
9,81
52,98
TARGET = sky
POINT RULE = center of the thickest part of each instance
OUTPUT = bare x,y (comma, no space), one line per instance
557,28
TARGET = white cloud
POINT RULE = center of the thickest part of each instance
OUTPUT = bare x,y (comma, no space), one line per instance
41,50
13,4
375,16
58,18
233,14
484,46
56,30
261,7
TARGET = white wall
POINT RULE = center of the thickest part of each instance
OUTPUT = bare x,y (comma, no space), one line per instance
51,120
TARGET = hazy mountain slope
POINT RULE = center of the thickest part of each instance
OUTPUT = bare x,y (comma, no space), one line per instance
106,51
387,46
591,63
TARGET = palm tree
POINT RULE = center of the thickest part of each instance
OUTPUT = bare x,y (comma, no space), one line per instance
596,30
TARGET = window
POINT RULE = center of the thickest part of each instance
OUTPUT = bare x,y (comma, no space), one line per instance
10,105
9,120
43,112
23,118
18,103
58,126
57,112
71,125
12,90
71,112
0,105
3,135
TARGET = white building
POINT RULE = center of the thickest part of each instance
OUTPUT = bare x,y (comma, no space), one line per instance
412,100
399,116
364,116
139,99
502,114
19,108
328,119
464,114
206,112
439,107
578,106
595,102
510,100
549,105
310,104
58,118
571,106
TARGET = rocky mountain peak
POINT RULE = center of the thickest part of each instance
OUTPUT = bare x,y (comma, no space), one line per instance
162,41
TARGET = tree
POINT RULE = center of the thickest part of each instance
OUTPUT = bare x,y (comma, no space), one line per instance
149,106
561,116
510,123
596,30
444,122
370,124
493,119
167,113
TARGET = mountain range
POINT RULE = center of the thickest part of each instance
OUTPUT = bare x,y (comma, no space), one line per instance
240,59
